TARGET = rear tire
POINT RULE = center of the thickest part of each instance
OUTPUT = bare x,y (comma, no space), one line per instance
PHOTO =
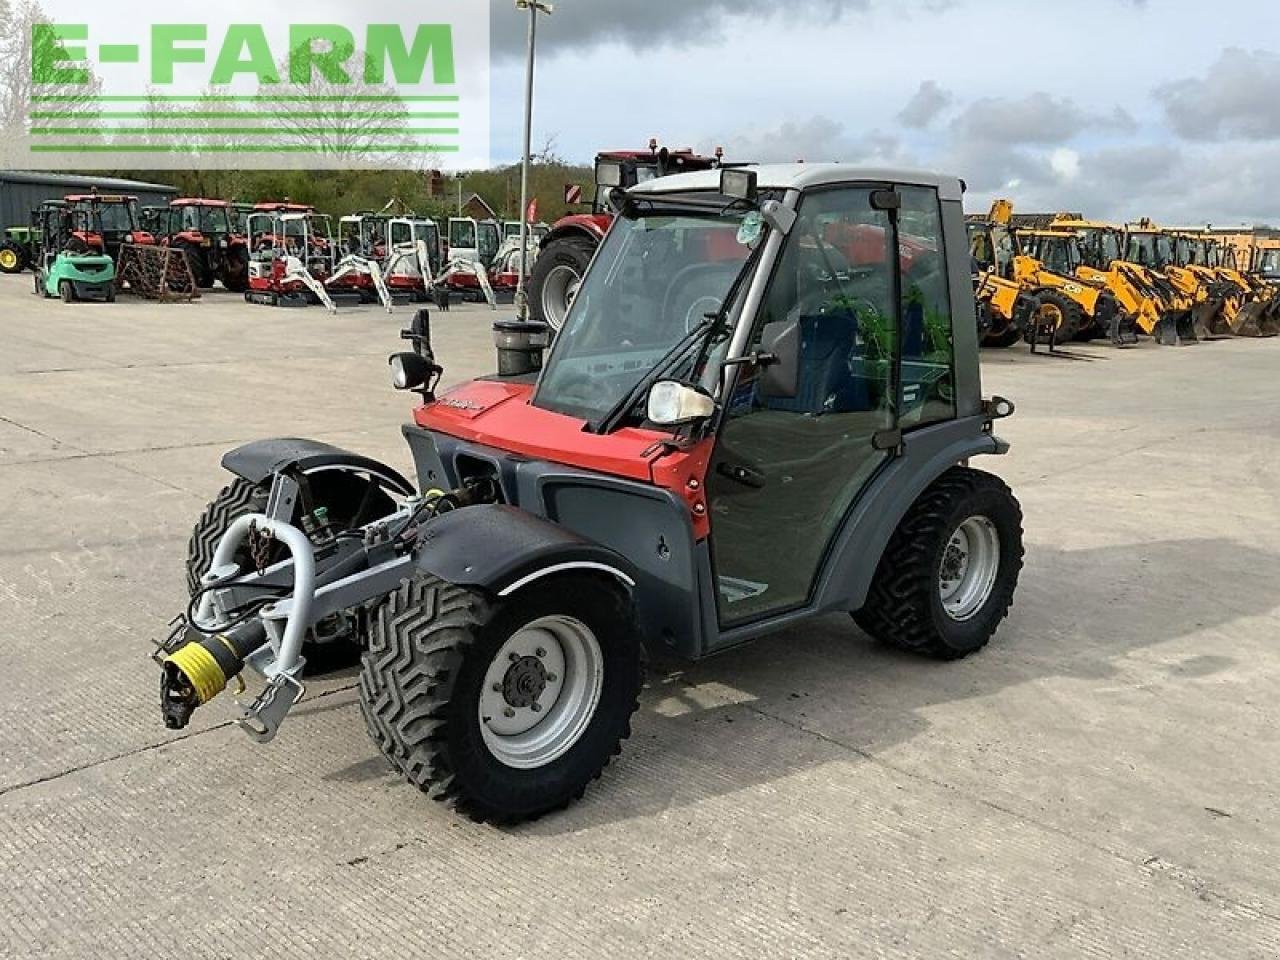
235,269
1059,305
435,662
13,258
344,497
556,274
935,596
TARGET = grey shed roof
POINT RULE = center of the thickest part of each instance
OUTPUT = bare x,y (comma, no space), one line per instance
80,179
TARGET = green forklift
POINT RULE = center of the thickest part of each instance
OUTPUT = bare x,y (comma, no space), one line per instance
69,262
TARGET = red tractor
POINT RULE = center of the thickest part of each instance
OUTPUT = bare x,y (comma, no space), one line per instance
116,219
203,230
767,415
573,240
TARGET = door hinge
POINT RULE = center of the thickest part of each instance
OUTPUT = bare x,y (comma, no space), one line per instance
890,440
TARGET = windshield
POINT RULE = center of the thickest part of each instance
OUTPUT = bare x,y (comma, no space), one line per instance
655,280
117,217
462,234
204,219
1269,261
1149,249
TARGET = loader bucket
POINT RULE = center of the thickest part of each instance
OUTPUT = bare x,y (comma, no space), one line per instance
1176,326
1255,319
1208,321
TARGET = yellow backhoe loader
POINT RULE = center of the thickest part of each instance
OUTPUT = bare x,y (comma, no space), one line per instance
1063,306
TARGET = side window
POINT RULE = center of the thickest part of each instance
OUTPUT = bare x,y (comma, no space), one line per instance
401,233
928,352
836,281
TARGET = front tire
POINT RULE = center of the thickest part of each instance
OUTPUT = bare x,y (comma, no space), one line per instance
67,291
350,503
947,578
485,704
556,275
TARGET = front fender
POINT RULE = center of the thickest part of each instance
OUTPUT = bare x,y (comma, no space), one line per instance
501,549
258,461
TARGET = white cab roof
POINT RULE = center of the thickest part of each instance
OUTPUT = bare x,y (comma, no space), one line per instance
804,176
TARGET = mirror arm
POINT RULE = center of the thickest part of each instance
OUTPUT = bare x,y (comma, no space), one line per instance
758,359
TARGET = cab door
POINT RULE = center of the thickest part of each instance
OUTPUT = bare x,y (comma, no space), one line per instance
872,305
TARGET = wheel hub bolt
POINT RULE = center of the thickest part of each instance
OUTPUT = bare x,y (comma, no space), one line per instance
552,678
540,652
513,657
535,707
508,713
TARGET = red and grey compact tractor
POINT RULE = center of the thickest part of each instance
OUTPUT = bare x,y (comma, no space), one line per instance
567,248
203,230
761,410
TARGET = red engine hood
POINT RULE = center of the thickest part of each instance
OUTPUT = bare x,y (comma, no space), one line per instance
499,415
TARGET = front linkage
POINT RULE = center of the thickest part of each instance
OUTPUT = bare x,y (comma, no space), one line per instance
262,618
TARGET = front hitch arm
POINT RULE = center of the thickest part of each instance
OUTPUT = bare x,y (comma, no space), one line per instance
199,662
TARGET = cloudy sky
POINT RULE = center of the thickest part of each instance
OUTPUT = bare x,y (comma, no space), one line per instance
1118,108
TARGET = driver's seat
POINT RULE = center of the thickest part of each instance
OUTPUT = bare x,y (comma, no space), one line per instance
826,382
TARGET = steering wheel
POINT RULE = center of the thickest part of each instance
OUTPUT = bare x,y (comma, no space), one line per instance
582,391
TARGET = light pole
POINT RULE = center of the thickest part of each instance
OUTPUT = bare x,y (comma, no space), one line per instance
534,7
459,177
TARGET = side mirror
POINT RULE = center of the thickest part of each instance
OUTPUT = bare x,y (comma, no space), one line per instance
780,378
419,333
409,371
672,404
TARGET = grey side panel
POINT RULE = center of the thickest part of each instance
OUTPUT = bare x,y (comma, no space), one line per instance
430,468
851,562
494,547
647,525
257,461
964,323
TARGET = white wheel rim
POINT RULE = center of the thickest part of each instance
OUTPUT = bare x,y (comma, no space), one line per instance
558,291
967,572
541,691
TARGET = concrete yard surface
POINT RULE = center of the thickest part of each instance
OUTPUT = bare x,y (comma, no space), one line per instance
1103,781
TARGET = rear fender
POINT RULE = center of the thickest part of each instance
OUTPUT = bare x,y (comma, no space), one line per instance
502,549
257,462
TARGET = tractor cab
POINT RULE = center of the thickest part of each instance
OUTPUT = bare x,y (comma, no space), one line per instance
1059,250
1148,246
1266,262
216,251
154,220
116,218
629,168
364,235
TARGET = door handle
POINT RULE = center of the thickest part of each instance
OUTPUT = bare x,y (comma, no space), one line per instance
747,476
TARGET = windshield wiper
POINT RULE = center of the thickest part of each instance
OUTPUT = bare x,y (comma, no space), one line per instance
610,420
